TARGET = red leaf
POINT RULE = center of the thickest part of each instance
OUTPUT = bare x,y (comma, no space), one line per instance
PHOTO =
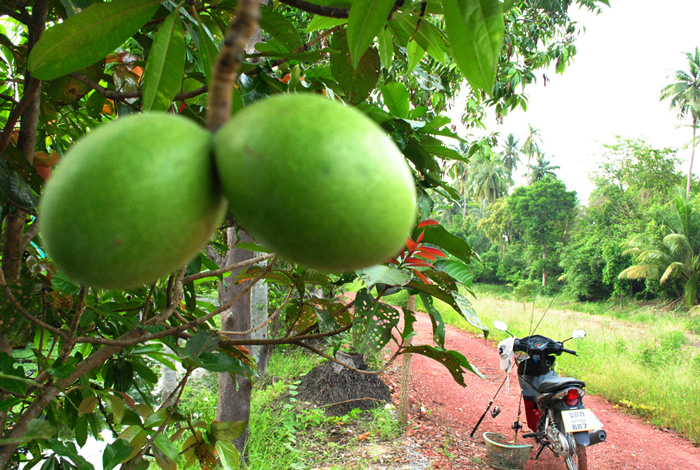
434,251
428,222
417,262
421,276
411,245
425,255
420,237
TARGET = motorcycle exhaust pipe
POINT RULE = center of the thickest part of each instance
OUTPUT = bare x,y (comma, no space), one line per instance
597,437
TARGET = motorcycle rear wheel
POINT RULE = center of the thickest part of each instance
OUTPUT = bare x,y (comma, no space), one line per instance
578,460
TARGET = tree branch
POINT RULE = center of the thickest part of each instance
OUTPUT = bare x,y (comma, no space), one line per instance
12,119
21,16
226,269
331,12
229,61
122,95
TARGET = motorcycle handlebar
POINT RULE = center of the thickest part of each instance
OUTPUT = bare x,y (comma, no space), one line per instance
570,351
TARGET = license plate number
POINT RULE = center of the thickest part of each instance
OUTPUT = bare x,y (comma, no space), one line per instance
580,420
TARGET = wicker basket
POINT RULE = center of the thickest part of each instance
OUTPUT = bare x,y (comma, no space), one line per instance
505,456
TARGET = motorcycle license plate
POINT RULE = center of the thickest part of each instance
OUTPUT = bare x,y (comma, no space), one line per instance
580,420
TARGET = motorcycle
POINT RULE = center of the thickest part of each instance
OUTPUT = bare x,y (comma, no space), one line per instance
554,407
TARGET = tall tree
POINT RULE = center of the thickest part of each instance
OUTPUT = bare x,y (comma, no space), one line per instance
531,146
542,212
511,153
541,169
684,95
674,254
489,179
69,67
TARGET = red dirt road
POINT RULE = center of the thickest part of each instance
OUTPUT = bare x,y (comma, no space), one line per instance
451,412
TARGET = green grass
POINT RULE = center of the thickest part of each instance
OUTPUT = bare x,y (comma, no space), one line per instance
643,359
285,433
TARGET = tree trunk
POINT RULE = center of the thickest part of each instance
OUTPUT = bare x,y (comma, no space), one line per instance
234,397
12,247
544,267
405,387
692,157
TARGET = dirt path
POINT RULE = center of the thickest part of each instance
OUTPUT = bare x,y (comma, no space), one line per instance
444,414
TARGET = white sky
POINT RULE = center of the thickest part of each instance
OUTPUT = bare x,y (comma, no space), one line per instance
612,87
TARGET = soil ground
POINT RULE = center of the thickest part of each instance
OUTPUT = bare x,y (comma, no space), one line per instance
443,415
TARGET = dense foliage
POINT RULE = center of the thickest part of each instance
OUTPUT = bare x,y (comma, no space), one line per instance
634,237
74,360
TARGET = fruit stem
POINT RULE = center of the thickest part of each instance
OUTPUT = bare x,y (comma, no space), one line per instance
225,72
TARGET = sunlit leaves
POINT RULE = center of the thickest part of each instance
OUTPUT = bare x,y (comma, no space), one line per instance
165,66
366,20
475,31
454,361
87,37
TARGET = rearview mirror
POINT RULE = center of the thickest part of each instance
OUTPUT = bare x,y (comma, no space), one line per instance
578,334
499,325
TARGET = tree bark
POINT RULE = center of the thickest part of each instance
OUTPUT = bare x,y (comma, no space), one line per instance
405,387
692,157
234,397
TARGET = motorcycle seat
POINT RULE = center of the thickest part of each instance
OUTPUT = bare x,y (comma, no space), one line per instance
557,383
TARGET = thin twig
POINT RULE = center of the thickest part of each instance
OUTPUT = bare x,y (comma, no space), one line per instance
229,61
263,324
225,269
123,95
29,94
25,313
121,342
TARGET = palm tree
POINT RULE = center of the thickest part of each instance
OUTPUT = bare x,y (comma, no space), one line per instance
541,169
531,146
676,255
684,93
488,178
511,155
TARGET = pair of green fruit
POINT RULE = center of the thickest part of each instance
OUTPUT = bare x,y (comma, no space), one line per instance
315,181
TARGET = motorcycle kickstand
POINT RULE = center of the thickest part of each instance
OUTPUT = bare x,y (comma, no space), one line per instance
539,451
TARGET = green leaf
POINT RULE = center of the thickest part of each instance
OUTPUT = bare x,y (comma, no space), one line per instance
166,445
475,30
280,28
67,449
228,455
469,314
88,37
454,361
165,66
201,342
324,22
116,453
381,274
87,405
357,82
373,324
397,99
435,319
227,430
220,362
365,22
426,35
37,429
457,270
409,318
415,55
386,47
437,235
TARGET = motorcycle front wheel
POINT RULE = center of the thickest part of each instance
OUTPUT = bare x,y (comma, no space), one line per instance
578,459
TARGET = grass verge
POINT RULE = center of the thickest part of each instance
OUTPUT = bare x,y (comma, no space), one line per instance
644,362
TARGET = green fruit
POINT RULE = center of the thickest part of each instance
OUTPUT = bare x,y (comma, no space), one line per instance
318,182
132,201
